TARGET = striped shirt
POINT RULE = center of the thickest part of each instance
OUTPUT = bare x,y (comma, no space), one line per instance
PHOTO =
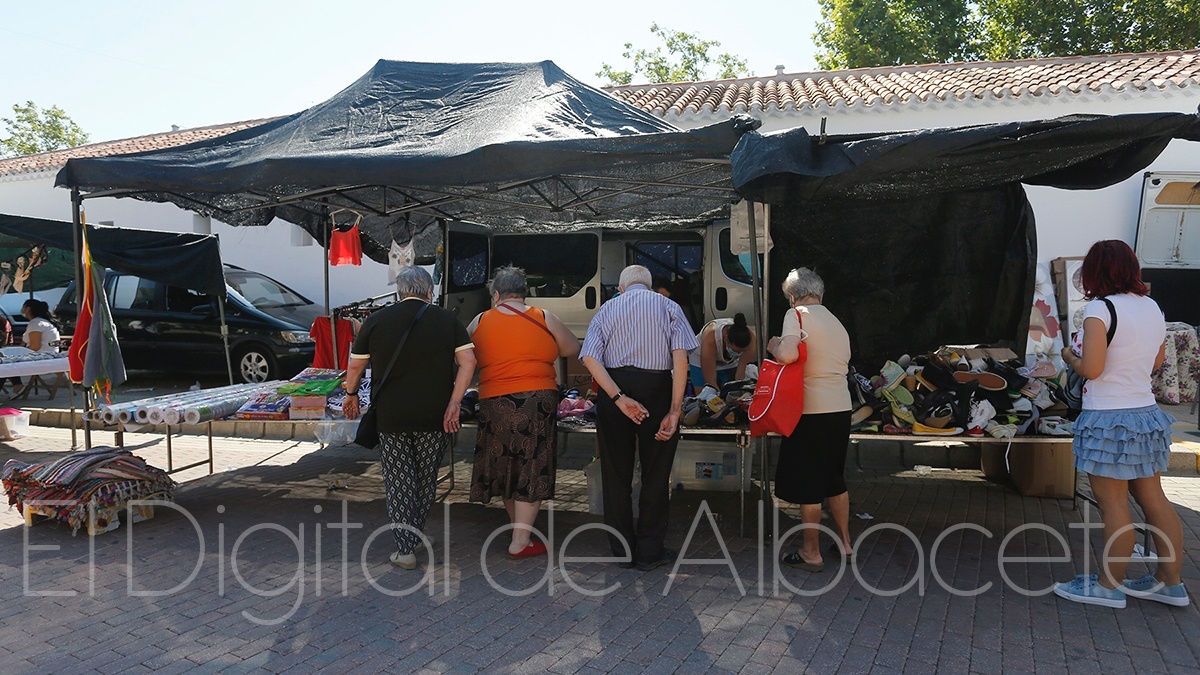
638,328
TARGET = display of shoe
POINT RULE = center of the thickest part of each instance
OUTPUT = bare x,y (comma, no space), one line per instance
861,415
1087,590
1150,588
1054,426
986,380
921,429
891,375
898,395
691,413
1014,380
996,430
1043,369
982,412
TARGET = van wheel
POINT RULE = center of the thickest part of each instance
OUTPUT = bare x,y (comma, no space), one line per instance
255,364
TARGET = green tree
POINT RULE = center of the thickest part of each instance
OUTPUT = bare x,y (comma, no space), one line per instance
1014,29
32,130
865,33
686,59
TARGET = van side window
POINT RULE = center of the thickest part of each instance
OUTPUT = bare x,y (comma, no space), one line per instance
556,265
184,299
733,265
133,293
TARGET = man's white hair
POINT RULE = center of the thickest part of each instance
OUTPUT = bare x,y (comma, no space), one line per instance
635,274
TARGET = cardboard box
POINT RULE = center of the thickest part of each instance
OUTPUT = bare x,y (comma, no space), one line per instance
708,470
998,353
1043,469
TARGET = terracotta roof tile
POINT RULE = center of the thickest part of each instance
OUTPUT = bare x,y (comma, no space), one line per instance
55,160
982,81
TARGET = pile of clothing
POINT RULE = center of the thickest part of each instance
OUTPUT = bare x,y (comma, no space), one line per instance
98,479
945,393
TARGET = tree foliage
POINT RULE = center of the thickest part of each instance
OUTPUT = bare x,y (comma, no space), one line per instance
32,130
859,33
865,33
686,59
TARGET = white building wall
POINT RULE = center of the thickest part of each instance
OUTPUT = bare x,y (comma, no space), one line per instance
1068,221
263,249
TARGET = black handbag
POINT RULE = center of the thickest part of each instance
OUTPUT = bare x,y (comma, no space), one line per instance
1073,391
368,423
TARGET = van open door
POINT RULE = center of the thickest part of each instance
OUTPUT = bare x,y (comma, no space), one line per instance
1168,242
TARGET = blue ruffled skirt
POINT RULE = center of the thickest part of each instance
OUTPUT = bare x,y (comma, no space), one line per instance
1124,444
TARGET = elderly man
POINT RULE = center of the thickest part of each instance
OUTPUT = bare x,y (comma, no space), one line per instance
418,402
637,351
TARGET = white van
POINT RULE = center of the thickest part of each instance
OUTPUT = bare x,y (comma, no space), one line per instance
1168,242
571,274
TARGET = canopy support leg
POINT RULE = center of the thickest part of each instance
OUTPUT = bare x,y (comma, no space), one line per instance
77,250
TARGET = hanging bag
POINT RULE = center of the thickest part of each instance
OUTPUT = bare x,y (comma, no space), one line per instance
368,423
779,396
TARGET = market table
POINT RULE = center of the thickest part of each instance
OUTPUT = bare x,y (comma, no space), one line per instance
56,365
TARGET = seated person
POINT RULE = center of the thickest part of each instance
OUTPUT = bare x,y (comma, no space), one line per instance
727,346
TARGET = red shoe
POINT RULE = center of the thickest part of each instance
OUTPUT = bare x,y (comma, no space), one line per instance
535,548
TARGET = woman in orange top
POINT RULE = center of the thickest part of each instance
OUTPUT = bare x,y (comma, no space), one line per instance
516,346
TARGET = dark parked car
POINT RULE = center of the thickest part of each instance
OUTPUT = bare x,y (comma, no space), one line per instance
174,329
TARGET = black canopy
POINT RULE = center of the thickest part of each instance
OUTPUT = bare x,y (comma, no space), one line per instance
513,146
177,259
926,237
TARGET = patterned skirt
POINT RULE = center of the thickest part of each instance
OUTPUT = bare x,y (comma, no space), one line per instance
516,447
1124,444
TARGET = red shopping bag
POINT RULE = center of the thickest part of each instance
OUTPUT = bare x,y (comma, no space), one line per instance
779,397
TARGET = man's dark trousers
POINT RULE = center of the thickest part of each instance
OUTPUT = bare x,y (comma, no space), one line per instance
619,440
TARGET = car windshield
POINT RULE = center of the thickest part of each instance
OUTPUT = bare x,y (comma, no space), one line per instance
262,292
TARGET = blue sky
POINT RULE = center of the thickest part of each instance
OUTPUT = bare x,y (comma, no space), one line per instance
131,67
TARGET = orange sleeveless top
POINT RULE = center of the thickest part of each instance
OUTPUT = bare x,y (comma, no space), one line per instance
513,354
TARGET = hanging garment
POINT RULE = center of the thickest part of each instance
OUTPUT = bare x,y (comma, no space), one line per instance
399,256
320,333
345,248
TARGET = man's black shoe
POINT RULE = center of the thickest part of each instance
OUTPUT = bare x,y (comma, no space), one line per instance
667,557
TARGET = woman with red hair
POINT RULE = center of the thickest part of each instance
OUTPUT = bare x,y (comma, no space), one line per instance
1122,438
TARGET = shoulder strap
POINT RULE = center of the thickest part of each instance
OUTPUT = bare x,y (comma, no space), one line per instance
403,338
525,316
1112,312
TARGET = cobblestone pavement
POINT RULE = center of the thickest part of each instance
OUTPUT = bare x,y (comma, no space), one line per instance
277,588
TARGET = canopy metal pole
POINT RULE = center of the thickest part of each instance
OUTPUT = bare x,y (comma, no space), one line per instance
77,246
329,307
760,337
225,335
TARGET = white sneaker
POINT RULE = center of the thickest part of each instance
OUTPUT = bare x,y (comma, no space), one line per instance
982,412
405,561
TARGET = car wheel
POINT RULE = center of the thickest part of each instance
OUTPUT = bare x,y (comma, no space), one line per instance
255,364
